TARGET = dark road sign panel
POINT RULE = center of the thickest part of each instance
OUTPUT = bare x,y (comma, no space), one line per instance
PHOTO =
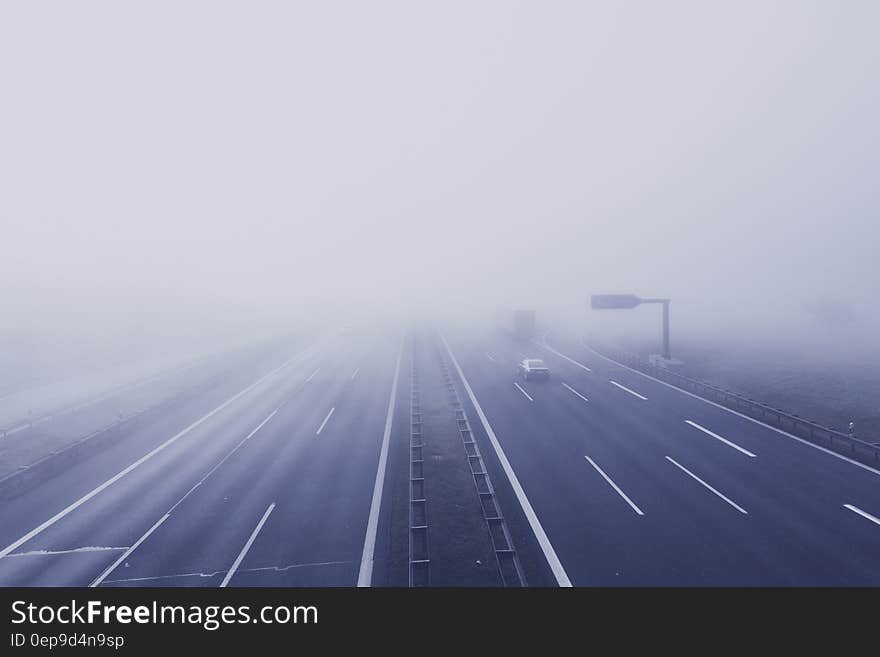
610,301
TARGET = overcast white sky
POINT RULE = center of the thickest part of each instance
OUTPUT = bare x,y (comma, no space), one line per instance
252,155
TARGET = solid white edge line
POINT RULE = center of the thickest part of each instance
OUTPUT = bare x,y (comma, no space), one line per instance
119,475
716,436
109,570
574,391
321,428
523,391
365,574
561,355
864,514
614,486
247,546
737,413
100,578
549,553
625,389
312,375
721,495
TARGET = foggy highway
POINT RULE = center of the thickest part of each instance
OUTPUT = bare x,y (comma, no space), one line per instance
631,493
252,258
603,475
183,514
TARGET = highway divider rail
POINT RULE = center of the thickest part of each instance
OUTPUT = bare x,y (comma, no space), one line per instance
419,563
509,568
836,441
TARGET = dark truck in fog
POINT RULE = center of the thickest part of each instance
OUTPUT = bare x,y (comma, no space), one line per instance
519,323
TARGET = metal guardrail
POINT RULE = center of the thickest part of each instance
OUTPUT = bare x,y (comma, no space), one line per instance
509,568
419,561
814,432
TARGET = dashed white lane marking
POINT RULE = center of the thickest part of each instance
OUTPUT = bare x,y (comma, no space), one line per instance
722,496
355,373
624,388
321,428
563,356
247,546
519,387
100,578
49,553
723,440
864,514
365,573
781,432
574,391
224,459
546,547
85,498
312,375
125,556
614,486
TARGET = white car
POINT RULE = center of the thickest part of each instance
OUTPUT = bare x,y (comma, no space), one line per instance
533,369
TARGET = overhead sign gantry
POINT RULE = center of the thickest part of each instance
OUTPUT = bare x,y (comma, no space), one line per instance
630,301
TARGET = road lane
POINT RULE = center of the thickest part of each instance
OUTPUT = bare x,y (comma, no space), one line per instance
320,487
615,486
124,557
247,546
317,538
787,447
863,513
124,510
789,538
800,468
520,388
325,421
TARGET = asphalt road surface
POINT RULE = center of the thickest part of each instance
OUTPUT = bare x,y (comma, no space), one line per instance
284,476
271,484
637,483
